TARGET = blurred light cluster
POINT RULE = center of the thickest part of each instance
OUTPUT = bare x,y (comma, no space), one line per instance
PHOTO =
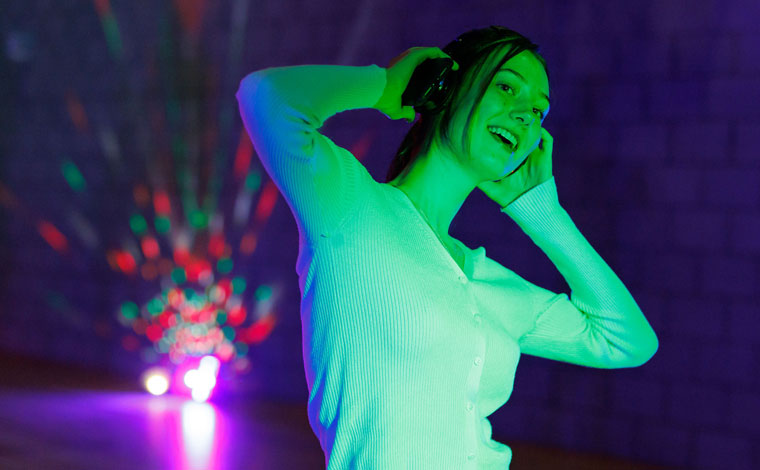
185,322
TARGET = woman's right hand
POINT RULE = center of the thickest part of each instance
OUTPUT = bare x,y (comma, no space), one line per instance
397,74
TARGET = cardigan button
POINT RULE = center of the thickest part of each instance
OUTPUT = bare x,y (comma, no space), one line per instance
471,457
469,406
478,319
478,360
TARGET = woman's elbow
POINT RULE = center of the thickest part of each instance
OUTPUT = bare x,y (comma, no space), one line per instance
645,352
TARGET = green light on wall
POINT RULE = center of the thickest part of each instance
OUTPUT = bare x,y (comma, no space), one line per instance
198,219
263,293
155,306
129,310
73,176
252,181
179,276
229,332
138,224
238,285
224,265
113,38
162,224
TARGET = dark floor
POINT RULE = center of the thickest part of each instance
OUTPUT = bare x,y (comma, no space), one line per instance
59,417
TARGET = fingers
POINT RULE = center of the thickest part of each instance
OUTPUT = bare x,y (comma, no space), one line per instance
432,53
547,141
409,113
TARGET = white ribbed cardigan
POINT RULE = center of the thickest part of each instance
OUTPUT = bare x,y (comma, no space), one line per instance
405,354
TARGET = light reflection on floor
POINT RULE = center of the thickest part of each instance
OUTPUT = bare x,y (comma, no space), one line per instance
129,430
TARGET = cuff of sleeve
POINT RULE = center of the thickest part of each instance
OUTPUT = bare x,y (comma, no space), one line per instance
534,201
538,209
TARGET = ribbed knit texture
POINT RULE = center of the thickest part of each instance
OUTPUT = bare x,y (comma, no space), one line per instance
405,354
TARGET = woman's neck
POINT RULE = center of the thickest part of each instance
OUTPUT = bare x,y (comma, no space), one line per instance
438,188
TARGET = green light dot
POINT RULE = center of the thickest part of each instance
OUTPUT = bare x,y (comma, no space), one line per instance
221,317
129,310
198,219
252,181
73,176
263,293
224,265
189,294
241,348
138,224
113,38
155,306
238,285
228,332
162,224
178,275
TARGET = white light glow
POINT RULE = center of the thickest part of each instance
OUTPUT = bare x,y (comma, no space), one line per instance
156,381
201,381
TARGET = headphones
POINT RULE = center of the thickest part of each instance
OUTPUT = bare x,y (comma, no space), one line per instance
428,88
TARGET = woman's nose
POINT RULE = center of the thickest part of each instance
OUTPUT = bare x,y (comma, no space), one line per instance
522,115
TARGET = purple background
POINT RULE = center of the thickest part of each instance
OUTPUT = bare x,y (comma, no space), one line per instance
656,121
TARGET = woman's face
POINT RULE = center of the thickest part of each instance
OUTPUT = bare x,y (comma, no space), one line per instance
514,105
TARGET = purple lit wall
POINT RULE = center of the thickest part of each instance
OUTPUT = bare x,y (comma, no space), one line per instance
656,124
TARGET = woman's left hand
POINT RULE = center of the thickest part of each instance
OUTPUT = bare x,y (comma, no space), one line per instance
536,170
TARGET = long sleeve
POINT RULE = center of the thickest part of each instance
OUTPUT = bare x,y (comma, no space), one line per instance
599,325
282,109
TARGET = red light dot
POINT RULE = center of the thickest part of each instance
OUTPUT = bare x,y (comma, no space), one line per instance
236,316
216,245
126,262
267,199
165,319
248,243
161,203
181,256
51,235
154,332
243,156
150,247
260,330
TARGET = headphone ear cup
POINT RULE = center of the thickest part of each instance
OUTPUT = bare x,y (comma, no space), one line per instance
428,88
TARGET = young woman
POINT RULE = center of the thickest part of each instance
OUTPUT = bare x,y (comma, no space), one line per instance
410,338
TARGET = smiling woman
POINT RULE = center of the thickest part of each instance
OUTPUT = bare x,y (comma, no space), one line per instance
411,338
482,55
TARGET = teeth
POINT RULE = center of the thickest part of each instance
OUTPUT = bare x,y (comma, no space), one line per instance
504,133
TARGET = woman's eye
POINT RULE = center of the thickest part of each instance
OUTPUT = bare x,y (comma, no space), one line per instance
506,87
